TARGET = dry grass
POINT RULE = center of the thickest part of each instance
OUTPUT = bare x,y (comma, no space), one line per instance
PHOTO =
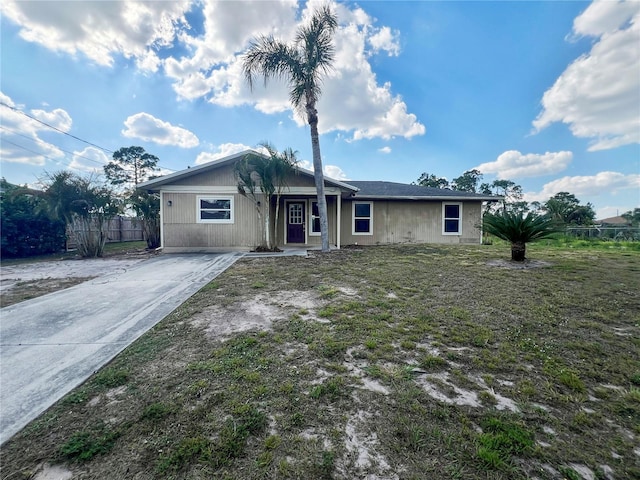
381,363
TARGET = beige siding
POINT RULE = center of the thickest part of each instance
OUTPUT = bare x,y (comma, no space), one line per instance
219,177
300,180
182,232
224,176
411,222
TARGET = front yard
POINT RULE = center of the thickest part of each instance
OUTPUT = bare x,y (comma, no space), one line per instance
399,362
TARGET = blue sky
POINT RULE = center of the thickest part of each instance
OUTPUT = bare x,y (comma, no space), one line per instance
546,94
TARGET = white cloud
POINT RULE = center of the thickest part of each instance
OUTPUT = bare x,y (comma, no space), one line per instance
335,172
151,129
100,30
386,40
586,186
21,135
224,150
57,118
90,160
599,93
351,100
385,150
513,164
603,17
204,61
331,171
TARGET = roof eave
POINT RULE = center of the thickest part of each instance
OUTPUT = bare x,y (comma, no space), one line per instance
190,171
156,183
424,197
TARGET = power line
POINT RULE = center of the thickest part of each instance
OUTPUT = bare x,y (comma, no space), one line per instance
64,133
62,149
29,150
54,128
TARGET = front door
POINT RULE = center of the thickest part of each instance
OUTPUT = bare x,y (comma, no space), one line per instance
295,222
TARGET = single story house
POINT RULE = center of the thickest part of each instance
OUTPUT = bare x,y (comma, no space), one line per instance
616,221
201,210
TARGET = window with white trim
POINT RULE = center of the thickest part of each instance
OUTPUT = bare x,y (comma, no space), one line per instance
314,220
362,223
452,218
215,209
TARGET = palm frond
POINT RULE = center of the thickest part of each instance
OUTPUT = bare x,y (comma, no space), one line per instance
270,58
516,227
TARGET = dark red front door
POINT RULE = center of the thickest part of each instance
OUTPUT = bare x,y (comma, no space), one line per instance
295,222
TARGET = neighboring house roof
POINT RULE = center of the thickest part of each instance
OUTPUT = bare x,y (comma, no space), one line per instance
403,191
188,172
618,220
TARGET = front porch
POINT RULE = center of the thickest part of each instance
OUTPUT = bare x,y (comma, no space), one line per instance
299,222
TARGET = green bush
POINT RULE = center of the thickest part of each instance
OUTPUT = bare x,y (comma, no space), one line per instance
26,229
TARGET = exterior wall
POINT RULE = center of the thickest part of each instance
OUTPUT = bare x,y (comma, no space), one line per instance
182,233
393,221
220,177
397,221
224,177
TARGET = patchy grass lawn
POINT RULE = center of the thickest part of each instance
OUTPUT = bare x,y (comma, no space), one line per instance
401,362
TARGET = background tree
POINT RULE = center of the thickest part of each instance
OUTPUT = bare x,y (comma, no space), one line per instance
565,209
146,205
518,229
25,228
469,181
129,167
85,206
511,193
633,216
431,180
302,64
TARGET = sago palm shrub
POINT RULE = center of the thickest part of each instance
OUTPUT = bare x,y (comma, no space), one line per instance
518,229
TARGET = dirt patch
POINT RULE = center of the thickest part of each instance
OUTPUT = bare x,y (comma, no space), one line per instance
361,450
26,290
25,281
254,314
53,472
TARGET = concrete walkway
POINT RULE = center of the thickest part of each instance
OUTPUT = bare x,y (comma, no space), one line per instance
51,344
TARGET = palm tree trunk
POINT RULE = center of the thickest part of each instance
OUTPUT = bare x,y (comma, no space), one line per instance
267,220
518,250
275,222
318,176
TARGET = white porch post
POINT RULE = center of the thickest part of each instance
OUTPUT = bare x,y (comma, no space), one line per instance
338,217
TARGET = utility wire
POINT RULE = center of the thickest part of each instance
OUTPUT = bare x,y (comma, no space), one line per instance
29,150
55,128
65,133
62,149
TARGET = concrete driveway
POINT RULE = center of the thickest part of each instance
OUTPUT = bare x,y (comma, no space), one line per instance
51,344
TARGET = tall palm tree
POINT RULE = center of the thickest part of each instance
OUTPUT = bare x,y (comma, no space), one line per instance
518,229
302,64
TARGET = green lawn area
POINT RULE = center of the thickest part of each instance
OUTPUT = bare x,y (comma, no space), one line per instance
398,362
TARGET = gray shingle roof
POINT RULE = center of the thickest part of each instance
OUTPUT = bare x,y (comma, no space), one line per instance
375,189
